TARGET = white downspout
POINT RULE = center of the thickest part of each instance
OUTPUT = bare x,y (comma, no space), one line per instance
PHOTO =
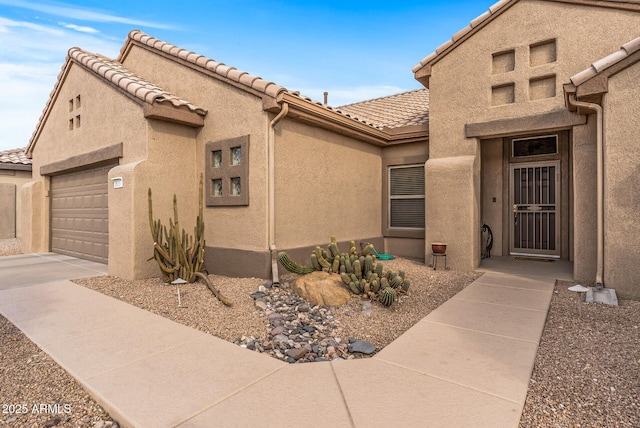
600,183
272,192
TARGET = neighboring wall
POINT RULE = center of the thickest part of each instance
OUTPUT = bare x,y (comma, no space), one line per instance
513,67
622,183
10,202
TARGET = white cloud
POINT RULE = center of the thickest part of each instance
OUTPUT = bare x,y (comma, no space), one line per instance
31,57
81,14
80,28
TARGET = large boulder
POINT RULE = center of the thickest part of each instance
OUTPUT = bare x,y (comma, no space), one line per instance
321,288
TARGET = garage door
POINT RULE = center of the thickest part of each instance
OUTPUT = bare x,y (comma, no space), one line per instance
80,214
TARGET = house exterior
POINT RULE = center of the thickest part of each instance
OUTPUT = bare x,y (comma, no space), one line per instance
281,171
15,171
512,144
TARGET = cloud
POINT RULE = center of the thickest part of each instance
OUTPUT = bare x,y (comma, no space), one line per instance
82,14
79,28
31,57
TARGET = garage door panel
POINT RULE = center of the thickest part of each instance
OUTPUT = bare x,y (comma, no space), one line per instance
79,214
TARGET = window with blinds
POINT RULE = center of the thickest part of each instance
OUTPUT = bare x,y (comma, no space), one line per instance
406,196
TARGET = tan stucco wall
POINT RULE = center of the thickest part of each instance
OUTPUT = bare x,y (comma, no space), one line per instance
125,124
622,181
231,113
494,195
326,184
33,201
18,179
167,171
461,86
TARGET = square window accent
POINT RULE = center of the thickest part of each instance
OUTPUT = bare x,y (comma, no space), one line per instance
227,172
504,94
70,105
217,187
78,105
236,156
78,121
542,87
217,158
235,186
542,53
70,124
503,62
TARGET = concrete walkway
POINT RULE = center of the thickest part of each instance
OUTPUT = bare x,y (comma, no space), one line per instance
466,364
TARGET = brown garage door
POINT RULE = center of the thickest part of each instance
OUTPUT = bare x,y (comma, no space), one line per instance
80,214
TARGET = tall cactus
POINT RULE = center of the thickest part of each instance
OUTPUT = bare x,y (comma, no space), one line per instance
179,254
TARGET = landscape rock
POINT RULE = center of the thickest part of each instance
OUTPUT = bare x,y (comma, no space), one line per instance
321,288
362,346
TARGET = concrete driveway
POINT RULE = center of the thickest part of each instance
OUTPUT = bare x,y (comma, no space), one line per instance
31,269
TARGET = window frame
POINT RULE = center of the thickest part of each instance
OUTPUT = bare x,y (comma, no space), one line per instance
388,165
226,172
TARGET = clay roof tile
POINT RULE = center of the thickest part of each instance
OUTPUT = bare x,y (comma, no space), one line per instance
14,156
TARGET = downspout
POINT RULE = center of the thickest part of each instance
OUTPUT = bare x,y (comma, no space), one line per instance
272,191
597,109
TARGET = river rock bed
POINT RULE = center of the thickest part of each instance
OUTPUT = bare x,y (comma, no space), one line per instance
301,332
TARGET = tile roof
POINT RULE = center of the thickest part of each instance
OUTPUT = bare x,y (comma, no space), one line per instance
393,111
219,68
608,61
15,156
128,81
248,81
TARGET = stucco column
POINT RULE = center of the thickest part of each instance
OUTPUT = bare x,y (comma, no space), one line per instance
584,201
33,222
452,190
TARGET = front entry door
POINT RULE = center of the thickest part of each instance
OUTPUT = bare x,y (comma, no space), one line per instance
535,202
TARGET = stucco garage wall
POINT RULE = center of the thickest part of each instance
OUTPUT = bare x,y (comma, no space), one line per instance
622,181
326,184
461,92
17,179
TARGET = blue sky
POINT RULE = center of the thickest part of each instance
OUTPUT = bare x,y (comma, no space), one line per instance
355,50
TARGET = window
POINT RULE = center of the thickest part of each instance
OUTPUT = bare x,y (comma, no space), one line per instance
535,146
74,113
406,196
227,172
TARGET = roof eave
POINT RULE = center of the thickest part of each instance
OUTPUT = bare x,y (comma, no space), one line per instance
328,119
15,166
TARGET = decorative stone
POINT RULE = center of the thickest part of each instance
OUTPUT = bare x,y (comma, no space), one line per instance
261,304
321,288
297,353
362,346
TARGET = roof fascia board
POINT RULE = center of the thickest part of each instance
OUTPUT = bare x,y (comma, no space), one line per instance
328,119
171,114
15,166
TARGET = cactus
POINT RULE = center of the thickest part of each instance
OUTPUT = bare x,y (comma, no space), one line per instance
353,288
178,254
367,250
396,282
384,283
375,286
357,269
345,278
405,285
379,269
368,264
387,296
314,262
292,266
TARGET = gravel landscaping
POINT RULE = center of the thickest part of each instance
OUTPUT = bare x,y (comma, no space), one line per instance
586,373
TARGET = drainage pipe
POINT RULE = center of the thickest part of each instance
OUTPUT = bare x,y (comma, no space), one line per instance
272,191
597,109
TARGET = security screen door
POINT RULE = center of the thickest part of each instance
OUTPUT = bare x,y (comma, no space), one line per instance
535,202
